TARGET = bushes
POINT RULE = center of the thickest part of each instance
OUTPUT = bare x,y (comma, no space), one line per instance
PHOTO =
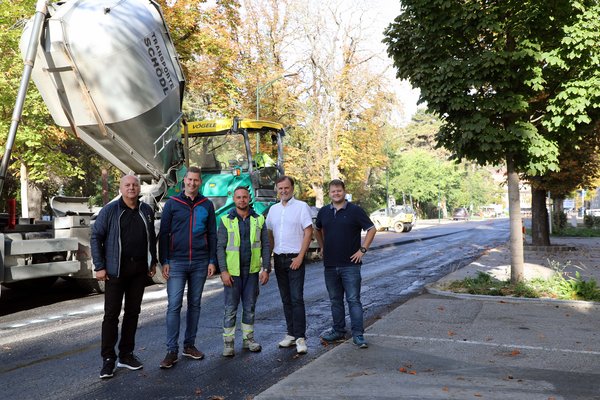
559,220
591,222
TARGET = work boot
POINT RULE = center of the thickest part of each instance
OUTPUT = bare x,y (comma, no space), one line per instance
228,346
251,345
248,335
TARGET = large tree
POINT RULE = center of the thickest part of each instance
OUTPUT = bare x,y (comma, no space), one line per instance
484,66
38,157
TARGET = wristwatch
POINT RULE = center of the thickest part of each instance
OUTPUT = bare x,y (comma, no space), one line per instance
363,250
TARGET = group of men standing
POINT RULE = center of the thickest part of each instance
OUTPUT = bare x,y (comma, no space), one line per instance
190,246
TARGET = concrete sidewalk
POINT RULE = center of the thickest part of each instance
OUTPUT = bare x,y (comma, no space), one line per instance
441,345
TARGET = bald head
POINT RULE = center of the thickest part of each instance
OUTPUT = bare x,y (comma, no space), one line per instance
130,189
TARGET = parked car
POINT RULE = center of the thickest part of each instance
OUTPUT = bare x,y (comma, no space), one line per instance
460,213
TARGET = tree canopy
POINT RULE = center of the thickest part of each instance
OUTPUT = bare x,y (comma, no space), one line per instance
509,77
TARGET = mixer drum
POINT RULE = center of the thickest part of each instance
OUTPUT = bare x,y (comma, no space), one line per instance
109,71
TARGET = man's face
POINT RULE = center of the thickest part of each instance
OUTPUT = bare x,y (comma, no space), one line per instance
241,199
285,190
337,194
129,187
192,182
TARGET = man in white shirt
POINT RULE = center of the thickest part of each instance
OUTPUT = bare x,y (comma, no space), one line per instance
290,231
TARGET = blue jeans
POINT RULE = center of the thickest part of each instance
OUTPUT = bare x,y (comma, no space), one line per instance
244,287
194,274
345,280
291,289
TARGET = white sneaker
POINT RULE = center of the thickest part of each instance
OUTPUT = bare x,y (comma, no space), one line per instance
287,341
301,346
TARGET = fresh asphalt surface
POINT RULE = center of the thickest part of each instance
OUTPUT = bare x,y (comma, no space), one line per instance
56,347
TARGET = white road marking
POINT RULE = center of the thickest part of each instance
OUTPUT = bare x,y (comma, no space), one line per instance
477,343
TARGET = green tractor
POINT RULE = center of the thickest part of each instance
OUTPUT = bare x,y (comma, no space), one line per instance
232,153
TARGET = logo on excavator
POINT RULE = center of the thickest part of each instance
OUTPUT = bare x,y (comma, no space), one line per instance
159,63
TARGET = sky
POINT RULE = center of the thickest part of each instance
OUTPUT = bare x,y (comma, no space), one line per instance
385,11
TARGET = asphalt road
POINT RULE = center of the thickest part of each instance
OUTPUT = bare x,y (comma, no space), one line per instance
52,351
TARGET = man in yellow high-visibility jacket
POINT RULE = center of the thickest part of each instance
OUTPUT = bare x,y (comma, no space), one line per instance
244,255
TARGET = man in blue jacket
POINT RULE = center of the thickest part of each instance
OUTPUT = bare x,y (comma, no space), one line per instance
188,252
123,245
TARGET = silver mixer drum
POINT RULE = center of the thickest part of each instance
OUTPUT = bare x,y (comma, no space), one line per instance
109,71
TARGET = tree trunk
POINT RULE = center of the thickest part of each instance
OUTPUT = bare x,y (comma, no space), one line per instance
104,186
318,195
35,202
24,175
31,196
558,204
540,234
516,234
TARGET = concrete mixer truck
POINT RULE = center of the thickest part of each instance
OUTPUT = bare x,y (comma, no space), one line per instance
109,74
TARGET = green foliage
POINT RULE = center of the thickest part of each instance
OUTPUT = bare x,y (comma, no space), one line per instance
559,221
570,231
591,221
559,286
502,87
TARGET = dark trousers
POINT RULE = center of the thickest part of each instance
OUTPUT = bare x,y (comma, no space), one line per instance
291,289
129,285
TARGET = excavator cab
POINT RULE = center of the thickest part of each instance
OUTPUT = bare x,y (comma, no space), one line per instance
237,152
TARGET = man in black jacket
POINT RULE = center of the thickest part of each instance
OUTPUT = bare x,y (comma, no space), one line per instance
123,245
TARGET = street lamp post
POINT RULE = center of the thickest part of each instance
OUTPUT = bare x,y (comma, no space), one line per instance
260,89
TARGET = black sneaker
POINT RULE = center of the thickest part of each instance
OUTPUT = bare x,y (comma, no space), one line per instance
108,368
130,361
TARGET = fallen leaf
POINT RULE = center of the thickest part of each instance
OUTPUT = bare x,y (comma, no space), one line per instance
477,395
515,352
198,392
502,302
402,369
451,333
441,308
445,389
412,372
489,338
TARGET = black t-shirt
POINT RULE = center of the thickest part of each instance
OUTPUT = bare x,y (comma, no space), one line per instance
134,240
341,232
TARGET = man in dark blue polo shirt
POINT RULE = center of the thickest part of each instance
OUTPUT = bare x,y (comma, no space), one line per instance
338,228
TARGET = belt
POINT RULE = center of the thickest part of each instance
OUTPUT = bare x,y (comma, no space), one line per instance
133,259
287,255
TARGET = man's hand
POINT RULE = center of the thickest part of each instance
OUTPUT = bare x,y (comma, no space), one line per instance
152,271
263,277
101,275
211,270
356,257
296,262
165,271
227,279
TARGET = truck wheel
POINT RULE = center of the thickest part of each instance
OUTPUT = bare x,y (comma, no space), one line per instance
91,285
399,227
